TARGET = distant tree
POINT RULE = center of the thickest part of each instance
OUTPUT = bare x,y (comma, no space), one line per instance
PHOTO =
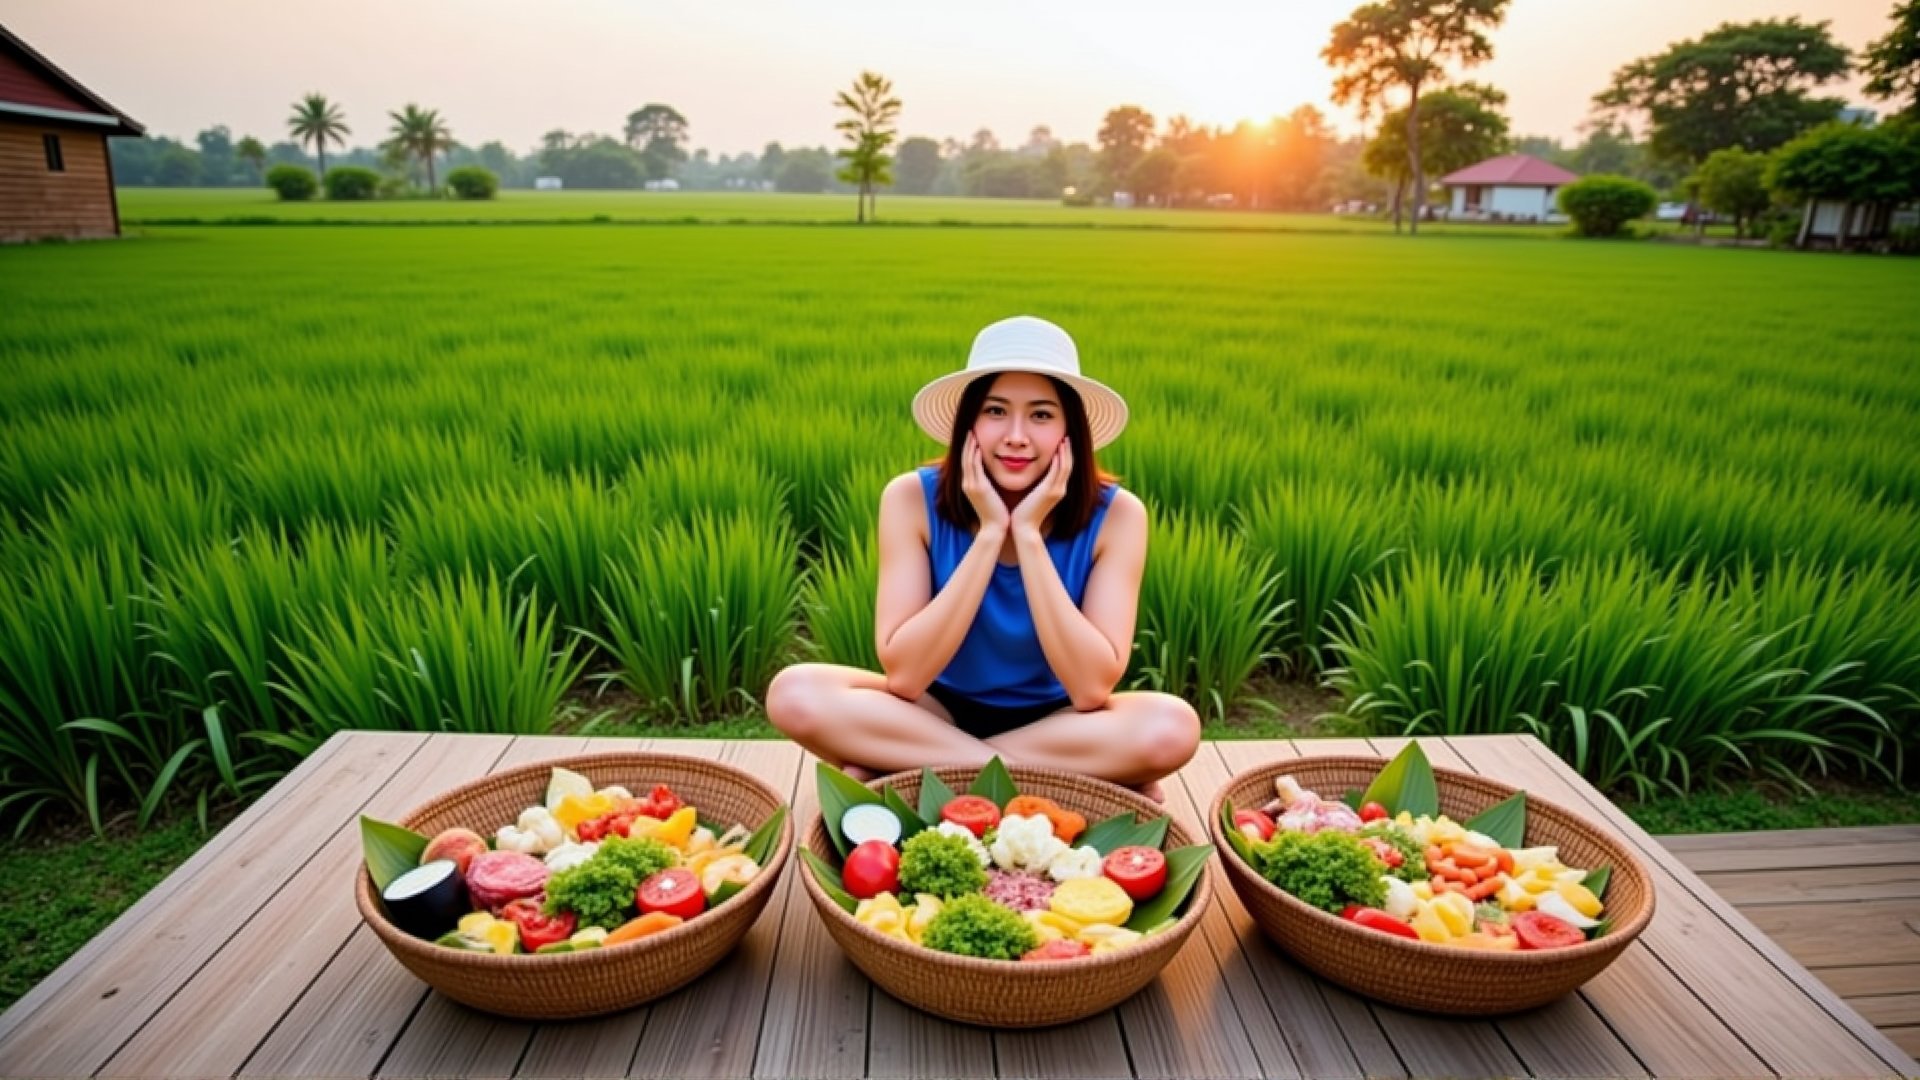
473,182
351,183
494,157
216,156
601,164
1124,135
804,172
1854,165
1732,181
917,166
1040,142
1183,136
558,139
1892,63
1542,147
1302,143
1153,175
1458,126
1742,84
872,111
657,132
422,134
254,153
772,158
176,166
1407,44
316,120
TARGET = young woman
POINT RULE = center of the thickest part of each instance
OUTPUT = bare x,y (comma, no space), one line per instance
1009,587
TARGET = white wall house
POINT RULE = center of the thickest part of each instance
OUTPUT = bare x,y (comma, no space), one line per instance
1512,187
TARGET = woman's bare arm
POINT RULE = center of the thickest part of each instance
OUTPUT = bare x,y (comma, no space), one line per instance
915,632
1088,646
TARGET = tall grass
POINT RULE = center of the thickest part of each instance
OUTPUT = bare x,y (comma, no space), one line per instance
700,614
1208,617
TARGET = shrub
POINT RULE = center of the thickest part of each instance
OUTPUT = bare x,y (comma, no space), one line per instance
473,182
1602,205
351,183
294,183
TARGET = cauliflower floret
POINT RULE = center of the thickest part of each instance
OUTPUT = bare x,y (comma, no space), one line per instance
569,855
1401,900
973,842
536,833
1025,843
1080,862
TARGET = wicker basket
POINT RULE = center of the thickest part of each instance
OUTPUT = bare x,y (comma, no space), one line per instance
594,981
1000,993
1414,974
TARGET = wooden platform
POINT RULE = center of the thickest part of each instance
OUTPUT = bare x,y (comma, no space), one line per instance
250,960
1844,902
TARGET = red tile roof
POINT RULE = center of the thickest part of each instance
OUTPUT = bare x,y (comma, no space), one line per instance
31,86
1512,170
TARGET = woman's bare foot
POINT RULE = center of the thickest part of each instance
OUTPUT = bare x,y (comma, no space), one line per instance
1152,790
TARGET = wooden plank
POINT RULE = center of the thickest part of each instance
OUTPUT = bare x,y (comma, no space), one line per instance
1188,795
1087,1050
1750,983
902,1041
1889,1010
1809,857
1778,839
815,1024
1844,935
89,956
1906,1038
1748,888
711,1028
361,1001
216,1020
1294,1004
155,953
1870,979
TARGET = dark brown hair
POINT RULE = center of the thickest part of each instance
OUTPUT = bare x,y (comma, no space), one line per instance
1084,486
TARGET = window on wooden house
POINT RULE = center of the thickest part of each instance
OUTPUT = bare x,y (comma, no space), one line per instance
55,161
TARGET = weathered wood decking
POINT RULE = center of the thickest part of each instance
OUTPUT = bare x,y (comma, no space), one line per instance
251,960
1843,902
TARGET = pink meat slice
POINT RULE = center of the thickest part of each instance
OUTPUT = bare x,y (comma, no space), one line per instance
498,878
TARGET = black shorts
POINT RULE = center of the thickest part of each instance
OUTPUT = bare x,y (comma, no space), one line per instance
984,721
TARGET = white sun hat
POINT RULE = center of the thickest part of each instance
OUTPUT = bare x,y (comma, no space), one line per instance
1022,343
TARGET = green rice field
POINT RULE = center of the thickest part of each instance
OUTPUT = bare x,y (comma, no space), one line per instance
1656,504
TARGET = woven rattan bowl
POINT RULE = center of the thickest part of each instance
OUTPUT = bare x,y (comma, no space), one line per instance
1414,974
1000,993
594,981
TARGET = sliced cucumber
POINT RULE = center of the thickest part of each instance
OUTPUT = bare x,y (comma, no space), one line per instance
869,821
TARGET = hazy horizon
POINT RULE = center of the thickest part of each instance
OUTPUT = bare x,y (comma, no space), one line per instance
499,71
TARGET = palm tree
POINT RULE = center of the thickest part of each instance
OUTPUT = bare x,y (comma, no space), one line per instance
423,134
316,120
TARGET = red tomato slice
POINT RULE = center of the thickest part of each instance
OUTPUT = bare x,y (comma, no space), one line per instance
1538,930
974,813
536,927
1141,872
675,891
1373,811
1375,919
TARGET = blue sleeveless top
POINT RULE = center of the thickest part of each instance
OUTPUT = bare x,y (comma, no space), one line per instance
1000,662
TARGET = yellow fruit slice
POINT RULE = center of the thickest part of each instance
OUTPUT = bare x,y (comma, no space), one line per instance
1092,900
575,809
1580,897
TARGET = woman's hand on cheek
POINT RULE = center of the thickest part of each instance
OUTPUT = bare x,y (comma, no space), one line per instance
1032,512
987,504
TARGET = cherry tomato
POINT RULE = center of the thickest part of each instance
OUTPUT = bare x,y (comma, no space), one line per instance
1373,811
661,804
1538,930
974,813
872,867
1375,919
1141,872
536,927
675,891
1058,950
1253,824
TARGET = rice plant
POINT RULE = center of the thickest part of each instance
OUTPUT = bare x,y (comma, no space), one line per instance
839,605
1208,617
701,614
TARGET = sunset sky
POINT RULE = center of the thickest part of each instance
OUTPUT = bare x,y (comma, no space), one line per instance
748,71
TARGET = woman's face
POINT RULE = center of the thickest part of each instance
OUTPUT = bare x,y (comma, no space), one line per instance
1019,428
